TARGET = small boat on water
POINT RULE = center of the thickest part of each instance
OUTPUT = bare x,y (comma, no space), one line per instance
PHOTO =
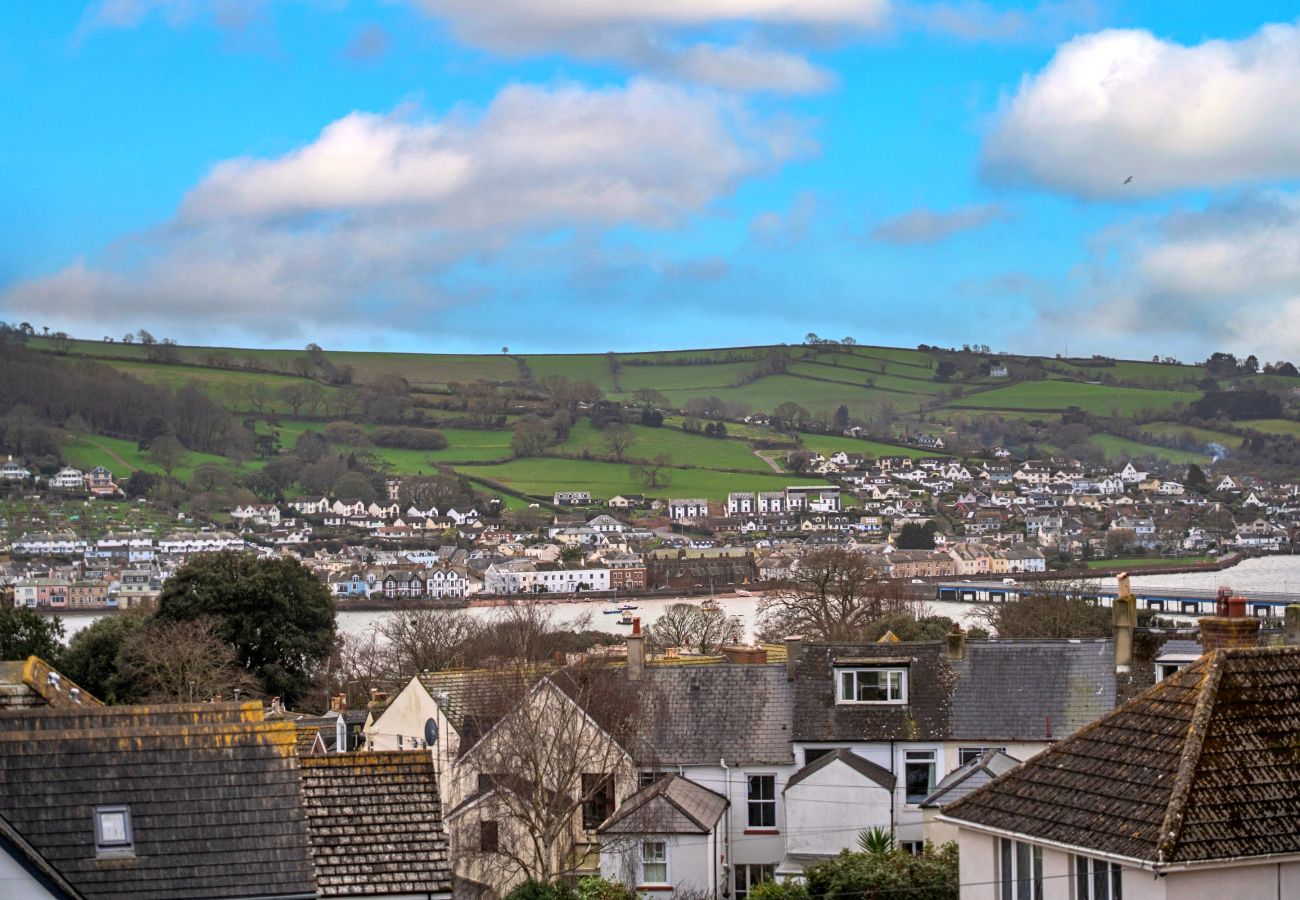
613,612
629,606
626,619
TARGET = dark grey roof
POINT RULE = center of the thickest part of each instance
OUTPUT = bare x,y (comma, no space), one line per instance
865,767
672,805
697,715
1031,690
375,823
1001,690
976,773
213,792
1203,766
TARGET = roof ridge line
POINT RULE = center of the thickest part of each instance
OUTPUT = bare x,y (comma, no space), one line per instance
1175,814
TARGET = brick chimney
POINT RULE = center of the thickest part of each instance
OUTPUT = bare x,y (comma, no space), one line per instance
793,650
956,642
635,652
1235,629
1123,618
744,656
1291,625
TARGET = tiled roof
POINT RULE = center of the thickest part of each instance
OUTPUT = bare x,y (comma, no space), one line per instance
1000,690
1204,765
213,792
672,805
375,823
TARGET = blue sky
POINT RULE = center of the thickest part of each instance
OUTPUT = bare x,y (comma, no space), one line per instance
459,175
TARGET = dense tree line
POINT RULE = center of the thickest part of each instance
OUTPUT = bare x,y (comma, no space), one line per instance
110,402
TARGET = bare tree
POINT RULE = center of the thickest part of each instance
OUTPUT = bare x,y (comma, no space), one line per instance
830,595
694,627
182,661
547,772
653,472
166,453
1052,609
428,640
617,438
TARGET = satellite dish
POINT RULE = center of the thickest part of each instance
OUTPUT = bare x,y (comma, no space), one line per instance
430,731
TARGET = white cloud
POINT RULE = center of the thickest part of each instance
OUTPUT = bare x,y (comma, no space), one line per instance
1227,277
720,43
927,226
1120,103
379,209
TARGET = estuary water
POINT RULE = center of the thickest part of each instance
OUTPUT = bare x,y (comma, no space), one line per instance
1271,573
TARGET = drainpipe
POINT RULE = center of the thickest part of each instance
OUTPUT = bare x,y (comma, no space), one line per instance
726,856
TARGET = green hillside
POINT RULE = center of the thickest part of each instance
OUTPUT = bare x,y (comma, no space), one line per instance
477,402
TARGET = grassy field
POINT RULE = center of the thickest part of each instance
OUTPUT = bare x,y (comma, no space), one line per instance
686,449
1057,395
1122,449
1176,430
829,443
124,457
1285,427
542,477
857,378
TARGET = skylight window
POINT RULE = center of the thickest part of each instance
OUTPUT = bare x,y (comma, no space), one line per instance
113,830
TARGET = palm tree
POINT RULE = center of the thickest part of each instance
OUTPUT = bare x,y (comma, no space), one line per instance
876,841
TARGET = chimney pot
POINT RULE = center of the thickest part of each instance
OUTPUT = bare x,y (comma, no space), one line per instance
793,651
1291,625
956,642
635,654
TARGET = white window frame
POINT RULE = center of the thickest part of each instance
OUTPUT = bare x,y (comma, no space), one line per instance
1013,884
647,861
974,753
750,803
895,689
1084,871
920,757
754,875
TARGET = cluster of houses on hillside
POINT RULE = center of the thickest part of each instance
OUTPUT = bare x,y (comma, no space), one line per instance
98,481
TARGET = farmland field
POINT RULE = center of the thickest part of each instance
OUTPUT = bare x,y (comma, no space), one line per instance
1054,395
694,450
1120,449
1285,427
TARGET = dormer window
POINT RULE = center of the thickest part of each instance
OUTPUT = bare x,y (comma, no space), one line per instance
876,685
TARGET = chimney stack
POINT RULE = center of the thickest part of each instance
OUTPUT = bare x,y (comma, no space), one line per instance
740,655
1123,617
1235,629
635,652
956,642
793,650
1291,625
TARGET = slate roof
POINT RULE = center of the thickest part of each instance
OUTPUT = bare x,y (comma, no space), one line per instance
696,715
865,767
976,773
474,699
213,792
1001,690
672,805
1204,765
375,823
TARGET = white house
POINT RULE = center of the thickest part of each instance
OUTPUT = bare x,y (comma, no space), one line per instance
67,479
1187,792
11,471
688,509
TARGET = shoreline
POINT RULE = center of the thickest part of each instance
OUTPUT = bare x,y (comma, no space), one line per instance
685,595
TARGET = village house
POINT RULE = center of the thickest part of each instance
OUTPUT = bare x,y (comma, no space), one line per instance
1206,764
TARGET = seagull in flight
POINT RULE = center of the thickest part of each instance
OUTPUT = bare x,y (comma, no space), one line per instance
1127,180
